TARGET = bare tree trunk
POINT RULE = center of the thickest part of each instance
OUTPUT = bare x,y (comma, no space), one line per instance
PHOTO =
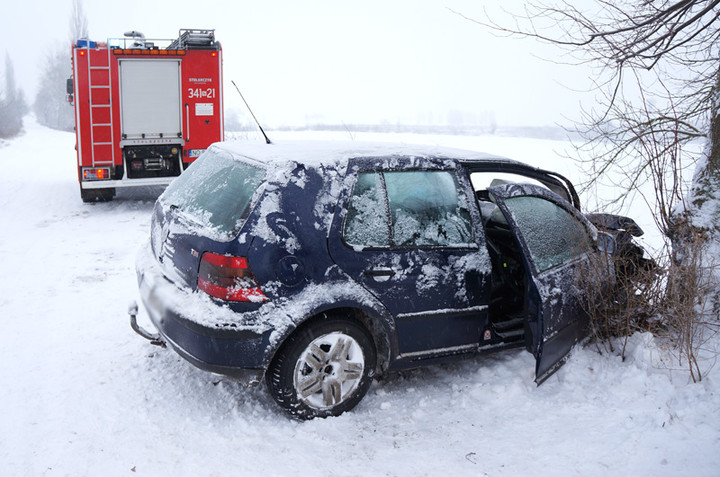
701,214
707,179
694,275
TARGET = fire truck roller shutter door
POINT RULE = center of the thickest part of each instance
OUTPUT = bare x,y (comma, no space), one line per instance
150,98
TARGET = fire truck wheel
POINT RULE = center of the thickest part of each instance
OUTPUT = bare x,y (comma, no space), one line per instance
97,195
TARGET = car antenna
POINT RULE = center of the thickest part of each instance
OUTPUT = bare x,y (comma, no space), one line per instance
267,139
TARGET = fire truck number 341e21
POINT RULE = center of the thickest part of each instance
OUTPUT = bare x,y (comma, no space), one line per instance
144,108
201,93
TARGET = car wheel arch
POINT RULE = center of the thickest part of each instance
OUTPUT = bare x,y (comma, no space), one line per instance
379,327
324,368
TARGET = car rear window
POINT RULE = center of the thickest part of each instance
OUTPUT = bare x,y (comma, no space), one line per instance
215,191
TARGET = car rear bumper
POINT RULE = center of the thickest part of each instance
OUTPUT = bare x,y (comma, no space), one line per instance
125,182
207,335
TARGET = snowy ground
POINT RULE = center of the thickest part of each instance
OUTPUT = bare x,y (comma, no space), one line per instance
82,395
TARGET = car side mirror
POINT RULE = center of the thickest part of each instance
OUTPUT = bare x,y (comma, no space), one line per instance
606,242
69,86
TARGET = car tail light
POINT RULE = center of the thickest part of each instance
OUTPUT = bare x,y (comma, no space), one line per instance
228,278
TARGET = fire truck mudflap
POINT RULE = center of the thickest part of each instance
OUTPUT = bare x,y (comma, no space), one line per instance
144,109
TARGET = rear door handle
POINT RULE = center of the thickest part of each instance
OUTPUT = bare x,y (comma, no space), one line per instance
380,273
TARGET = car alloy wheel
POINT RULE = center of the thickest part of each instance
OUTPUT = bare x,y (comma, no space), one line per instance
329,370
323,369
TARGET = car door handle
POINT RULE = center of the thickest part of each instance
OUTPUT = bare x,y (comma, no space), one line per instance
380,272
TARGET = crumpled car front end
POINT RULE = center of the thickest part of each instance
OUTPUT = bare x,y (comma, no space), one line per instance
629,257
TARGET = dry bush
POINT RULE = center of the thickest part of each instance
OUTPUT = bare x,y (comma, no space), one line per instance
691,310
674,297
629,305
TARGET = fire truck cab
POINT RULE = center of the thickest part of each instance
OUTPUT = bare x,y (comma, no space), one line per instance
145,109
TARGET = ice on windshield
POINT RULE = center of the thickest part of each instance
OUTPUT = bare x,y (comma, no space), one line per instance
215,191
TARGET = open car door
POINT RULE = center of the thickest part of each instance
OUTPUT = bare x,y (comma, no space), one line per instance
557,245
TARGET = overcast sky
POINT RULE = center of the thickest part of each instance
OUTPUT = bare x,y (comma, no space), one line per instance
308,61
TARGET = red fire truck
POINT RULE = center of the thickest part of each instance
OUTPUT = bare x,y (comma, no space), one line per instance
144,109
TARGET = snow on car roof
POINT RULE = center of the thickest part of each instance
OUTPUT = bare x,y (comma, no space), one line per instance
334,153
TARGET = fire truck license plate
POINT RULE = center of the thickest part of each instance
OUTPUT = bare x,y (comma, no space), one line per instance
196,152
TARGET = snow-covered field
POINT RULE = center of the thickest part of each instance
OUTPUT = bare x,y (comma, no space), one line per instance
82,395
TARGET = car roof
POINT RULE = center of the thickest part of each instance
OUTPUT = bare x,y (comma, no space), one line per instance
337,153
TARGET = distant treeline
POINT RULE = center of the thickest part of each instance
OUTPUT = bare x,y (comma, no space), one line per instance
538,132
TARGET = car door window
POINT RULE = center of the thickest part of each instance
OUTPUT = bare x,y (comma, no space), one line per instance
407,209
553,235
427,209
366,223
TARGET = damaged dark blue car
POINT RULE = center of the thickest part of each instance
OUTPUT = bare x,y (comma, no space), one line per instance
319,266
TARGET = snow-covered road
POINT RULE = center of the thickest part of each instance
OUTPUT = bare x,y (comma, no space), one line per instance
82,395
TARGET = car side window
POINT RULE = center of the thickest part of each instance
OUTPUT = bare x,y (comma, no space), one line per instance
552,234
426,209
366,223
408,209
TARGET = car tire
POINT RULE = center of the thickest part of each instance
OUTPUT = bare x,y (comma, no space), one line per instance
323,369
